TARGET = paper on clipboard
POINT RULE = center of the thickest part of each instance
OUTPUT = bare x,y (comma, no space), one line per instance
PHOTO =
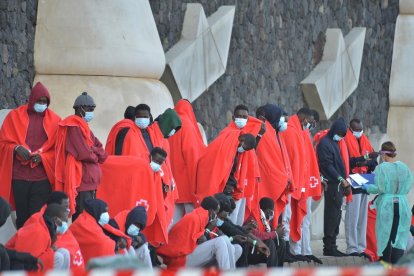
358,179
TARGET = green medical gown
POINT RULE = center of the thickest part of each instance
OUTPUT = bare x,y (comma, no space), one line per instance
392,181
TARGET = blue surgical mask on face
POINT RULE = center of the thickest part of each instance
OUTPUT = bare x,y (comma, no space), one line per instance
88,116
240,122
337,138
155,166
142,123
240,149
62,228
133,230
358,134
39,108
172,132
307,126
219,222
104,219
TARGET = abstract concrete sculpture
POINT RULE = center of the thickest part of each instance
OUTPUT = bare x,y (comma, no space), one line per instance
111,49
200,57
401,112
336,77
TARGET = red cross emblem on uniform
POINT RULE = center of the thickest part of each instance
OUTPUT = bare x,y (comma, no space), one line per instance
313,182
143,203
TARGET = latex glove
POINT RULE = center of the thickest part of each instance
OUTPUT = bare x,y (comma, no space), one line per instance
364,187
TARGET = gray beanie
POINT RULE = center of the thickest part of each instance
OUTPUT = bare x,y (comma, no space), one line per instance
84,100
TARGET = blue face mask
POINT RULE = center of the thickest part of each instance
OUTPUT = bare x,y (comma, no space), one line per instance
62,228
142,123
133,230
104,219
155,166
39,108
240,149
88,116
337,138
172,132
219,222
240,122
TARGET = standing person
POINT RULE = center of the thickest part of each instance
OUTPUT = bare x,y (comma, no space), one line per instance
78,155
27,144
333,169
393,181
362,160
186,148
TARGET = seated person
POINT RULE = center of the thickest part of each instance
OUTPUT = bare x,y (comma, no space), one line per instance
9,258
38,238
132,222
89,232
261,227
242,236
188,246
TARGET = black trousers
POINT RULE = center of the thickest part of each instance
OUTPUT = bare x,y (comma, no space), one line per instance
80,200
29,197
391,254
276,258
4,259
332,217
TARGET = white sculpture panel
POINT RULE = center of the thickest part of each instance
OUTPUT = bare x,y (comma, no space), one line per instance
98,37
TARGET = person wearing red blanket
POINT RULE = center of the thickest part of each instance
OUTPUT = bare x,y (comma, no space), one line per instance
187,244
27,141
89,232
296,208
131,223
38,238
371,247
228,166
186,148
333,168
78,155
362,160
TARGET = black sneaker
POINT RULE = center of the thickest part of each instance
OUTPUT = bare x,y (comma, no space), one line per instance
355,254
333,253
314,258
341,253
302,258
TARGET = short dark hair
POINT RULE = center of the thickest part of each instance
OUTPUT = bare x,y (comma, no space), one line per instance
240,107
54,210
232,203
260,112
315,115
224,202
143,107
209,203
266,203
160,151
304,111
249,140
56,197
129,113
355,120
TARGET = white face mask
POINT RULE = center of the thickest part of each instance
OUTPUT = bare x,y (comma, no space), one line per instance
155,166
62,228
240,122
240,149
133,230
358,134
172,132
282,124
104,219
337,138
39,108
142,123
307,126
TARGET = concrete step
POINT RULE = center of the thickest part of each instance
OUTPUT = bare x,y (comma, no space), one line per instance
350,261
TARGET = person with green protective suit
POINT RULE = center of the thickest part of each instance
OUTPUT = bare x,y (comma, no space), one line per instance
393,181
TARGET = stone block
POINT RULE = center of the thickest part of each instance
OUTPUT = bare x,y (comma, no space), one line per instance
3,114
400,89
406,7
336,77
111,94
98,37
200,57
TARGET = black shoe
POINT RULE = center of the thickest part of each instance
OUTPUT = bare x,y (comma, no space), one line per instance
341,253
333,253
355,254
314,258
365,255
288,256
302,258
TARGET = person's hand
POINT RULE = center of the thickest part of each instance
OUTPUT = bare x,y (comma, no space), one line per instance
262,248
364,187
137,242
212,224
23,152
39,264
280,231
201,239
373,155
262,129
240,239
251,225
36,158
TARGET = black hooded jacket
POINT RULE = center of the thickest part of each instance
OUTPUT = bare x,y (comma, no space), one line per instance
330,161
